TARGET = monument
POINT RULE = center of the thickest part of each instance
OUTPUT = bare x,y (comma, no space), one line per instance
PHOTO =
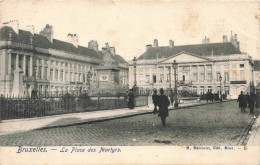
108,73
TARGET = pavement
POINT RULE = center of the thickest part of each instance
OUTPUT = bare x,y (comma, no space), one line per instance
22,125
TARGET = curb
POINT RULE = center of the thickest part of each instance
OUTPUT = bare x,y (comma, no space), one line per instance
96,120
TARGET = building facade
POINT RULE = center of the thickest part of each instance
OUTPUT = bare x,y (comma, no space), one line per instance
199,67
257,76
38,61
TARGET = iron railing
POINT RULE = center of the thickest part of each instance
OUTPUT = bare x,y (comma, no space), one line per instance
26,107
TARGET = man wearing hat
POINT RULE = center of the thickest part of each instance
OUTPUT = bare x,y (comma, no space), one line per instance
163,103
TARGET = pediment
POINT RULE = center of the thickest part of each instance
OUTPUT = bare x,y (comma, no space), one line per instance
185,58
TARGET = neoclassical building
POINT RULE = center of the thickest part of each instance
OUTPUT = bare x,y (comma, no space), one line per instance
38,61
199,67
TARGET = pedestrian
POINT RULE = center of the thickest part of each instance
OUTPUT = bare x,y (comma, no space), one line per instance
131,98
163,104
252,102
171,96
257,100
247,96
242,102
155,98
34,94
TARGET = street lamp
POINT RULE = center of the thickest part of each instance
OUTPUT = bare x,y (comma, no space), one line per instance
134,62
175,65
170,85
89,75
220,78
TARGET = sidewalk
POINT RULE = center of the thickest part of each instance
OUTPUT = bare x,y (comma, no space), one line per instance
254,139
20,125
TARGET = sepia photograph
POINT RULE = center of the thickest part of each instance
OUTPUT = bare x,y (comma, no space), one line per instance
129,82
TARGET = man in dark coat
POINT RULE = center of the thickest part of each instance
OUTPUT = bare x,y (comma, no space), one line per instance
252,102
34,94
163,104
242,102
155,98
247,97
131,98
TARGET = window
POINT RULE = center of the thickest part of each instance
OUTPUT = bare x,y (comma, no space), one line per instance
209,88
45,73
161,78
61,75
71,76
167,78
56,74
209,77
80,77
226,76
194,77
147,77
234,75
242,75
201,79
51,74
40,72
66,76
218,75
154,78
209,68
241,65
202,90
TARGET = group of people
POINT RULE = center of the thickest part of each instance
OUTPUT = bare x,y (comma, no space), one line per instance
247,101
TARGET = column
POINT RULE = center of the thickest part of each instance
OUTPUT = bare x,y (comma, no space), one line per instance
17,62
43,68
77,78
9,63
24,64
59,71
48,69
72,76
68,78
64,71
164,75
37,68
31,66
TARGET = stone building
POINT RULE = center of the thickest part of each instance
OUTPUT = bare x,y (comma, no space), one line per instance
38,61
257,76
199,67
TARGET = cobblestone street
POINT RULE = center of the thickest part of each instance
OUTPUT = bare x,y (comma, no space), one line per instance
213,124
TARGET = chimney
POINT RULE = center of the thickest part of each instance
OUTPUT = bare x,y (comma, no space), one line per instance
205,40
148,47
225,39
171,43
113,50
93,45
15,25
73,39
155,43
30,28
47,32
234,41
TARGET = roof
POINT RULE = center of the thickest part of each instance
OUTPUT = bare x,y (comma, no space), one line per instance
42,42
225,48
257,65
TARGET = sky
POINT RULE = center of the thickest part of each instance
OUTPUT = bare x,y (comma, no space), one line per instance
130,25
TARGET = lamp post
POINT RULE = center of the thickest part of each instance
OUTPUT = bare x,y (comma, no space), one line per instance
220,78
170,86
89,75
134,62
174,64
